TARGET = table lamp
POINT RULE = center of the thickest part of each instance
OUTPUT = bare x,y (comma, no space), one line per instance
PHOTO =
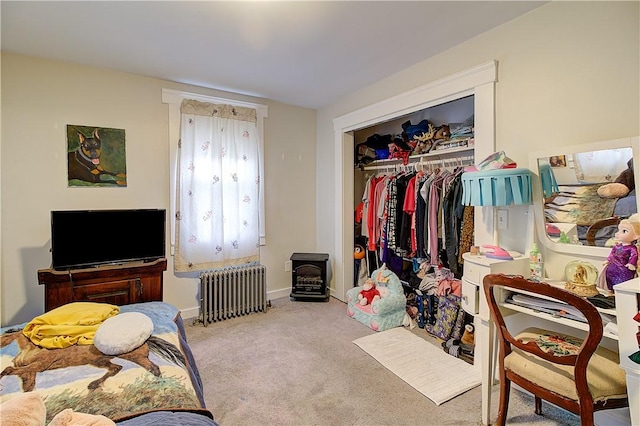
548,180
495,188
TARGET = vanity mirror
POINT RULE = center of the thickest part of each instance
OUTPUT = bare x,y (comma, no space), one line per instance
570,216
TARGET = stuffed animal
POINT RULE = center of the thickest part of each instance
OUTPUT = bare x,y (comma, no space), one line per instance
622,262
369,293
424,140
468,337
422,147
623,184
442,133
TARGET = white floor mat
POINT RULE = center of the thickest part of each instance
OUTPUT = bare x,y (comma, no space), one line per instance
432,372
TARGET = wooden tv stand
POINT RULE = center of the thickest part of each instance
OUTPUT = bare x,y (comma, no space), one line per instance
120,284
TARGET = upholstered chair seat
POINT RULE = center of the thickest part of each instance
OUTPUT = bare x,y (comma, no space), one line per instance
606,378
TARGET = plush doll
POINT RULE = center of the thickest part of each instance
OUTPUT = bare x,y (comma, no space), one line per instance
422,147
622,262
369,293
424,139
442,133
468,337
623,184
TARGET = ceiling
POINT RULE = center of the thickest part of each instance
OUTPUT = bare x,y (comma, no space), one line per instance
302,53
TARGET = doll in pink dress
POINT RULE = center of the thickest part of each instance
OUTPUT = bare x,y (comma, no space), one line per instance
622,261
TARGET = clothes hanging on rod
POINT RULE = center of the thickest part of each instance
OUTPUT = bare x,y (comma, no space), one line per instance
416,212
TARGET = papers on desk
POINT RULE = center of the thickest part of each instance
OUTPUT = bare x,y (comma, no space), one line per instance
557,309
611,328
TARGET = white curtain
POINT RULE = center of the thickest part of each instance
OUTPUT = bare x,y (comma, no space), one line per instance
601,166
217,214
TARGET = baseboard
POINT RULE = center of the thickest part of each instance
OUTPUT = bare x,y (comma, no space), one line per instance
190,313
194,312
277,294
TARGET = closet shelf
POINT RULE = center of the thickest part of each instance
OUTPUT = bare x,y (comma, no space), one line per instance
443,154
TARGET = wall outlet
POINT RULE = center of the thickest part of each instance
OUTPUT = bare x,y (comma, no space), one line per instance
287,266
503,219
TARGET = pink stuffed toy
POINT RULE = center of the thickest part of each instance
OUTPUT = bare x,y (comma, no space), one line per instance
369,293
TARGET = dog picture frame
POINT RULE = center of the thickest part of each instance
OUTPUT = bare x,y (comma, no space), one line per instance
96,156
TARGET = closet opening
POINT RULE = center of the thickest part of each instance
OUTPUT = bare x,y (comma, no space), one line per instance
473,87
407,191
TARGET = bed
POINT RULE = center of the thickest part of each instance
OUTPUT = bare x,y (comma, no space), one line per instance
581,205
156,383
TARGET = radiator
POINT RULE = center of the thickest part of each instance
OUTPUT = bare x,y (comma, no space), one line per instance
232,292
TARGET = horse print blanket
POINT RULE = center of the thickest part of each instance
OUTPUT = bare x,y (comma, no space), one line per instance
579,204
158,376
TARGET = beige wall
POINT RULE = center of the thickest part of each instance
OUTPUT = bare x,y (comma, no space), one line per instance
567,74
40,97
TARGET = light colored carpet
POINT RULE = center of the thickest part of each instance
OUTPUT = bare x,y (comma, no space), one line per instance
432,372
297,365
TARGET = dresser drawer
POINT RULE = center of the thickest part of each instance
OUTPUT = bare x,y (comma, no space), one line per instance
470,297
473,272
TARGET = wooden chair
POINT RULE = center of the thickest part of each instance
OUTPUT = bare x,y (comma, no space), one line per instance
571,373
598,225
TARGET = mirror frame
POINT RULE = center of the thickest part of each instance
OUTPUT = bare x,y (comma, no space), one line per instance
575,249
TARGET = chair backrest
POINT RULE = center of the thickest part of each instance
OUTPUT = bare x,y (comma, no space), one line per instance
598,225
387,278
586,350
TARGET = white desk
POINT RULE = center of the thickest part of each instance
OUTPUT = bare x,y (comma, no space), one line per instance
476,267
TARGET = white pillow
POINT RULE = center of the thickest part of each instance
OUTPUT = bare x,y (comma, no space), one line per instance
123,333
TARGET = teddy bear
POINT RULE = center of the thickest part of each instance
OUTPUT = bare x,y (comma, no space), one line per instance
624,183
442,133
369,293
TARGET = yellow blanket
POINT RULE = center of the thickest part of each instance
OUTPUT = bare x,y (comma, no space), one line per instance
70,324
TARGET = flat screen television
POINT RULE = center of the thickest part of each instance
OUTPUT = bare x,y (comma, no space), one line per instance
88,238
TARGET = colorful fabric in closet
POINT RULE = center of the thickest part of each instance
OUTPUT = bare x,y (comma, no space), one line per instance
418,215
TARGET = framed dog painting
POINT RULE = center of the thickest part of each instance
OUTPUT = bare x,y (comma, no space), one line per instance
96,156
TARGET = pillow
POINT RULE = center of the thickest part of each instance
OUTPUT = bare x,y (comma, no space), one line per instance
613,190
25,409
123,333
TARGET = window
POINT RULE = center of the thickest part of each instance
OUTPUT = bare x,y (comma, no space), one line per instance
208,170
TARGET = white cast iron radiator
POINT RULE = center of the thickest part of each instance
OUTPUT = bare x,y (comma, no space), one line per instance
231,292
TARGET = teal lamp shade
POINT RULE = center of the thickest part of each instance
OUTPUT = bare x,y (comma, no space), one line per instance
548,180
498,187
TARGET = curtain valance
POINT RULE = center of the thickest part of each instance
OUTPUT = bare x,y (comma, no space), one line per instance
191,106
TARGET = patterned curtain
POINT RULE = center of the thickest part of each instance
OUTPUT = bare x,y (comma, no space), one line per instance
601,166
217,214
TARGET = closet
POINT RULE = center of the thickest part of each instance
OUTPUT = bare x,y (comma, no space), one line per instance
478,82
417,190
476,85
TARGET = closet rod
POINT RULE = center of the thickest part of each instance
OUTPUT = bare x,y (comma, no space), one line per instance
447,162
444,162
